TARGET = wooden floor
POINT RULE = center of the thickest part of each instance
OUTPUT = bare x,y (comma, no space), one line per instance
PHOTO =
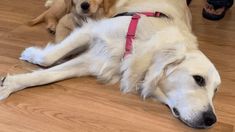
82,104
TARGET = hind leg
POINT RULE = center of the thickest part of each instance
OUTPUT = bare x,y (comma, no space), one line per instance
73,68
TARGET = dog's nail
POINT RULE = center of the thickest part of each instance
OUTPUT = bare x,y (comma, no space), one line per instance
2,81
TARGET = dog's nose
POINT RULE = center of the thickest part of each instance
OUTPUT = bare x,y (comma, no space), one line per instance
209,118
85,6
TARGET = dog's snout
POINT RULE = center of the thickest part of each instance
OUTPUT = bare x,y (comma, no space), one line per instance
85,6
204,119
209,118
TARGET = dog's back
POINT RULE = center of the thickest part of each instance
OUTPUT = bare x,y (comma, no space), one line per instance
177,10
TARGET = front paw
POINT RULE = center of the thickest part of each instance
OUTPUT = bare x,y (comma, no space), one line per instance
37,55
32,55
126,87
5,90
51,27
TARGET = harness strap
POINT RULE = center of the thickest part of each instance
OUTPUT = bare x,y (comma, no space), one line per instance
131,33
133,27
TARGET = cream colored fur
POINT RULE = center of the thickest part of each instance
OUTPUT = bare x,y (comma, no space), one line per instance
163,63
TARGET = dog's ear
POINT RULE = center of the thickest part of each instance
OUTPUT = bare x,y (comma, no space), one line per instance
107,5
69,5
161,62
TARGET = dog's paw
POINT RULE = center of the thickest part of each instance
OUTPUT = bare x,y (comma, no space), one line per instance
36,56
51,30
33,55
5,90
128,82
126,87
51,27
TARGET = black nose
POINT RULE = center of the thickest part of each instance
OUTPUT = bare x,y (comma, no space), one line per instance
209,118
85,5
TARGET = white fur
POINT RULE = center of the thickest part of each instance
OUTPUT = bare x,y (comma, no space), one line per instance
164,59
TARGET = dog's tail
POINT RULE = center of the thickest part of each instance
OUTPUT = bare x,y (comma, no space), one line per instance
38,19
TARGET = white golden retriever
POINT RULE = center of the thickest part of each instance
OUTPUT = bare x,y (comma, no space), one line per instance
165,62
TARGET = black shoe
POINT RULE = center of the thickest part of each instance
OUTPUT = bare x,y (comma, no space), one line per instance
217,4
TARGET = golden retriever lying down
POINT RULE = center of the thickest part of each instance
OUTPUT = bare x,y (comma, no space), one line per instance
64,15
165,62
80,10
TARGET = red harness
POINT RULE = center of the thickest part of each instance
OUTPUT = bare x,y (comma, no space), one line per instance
133,26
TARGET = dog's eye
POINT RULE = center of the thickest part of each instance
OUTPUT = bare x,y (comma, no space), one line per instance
199,80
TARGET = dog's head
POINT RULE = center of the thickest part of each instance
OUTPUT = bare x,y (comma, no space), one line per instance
89,7
186,82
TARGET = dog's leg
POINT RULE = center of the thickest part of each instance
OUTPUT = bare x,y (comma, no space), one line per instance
52,53
51,24
73,68
65,26
136,65
134,72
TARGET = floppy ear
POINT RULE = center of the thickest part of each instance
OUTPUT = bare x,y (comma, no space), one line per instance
161,62
107,5
69,5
